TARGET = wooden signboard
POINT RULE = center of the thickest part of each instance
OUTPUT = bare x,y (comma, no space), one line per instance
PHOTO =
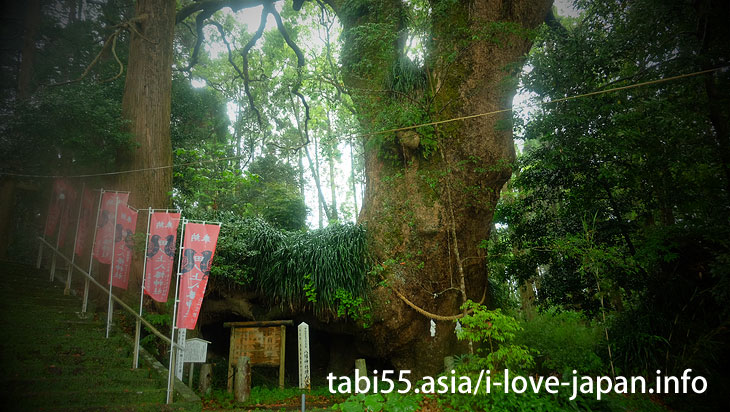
262,342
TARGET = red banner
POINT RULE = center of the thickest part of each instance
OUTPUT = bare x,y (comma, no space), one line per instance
105,228
88,204
198,248
123,246
58,206
160,254
67,213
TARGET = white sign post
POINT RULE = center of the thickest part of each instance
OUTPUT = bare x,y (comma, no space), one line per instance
180,353
304,375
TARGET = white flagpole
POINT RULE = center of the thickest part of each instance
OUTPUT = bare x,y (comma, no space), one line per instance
40,248
91,254
171,367
67,289
138,326
58,239
110,308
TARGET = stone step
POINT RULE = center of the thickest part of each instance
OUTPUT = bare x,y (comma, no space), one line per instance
82,398
122,379
54,360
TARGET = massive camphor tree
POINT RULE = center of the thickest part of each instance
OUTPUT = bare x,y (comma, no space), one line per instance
431,191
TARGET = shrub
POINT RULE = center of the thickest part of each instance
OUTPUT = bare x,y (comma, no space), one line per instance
565,340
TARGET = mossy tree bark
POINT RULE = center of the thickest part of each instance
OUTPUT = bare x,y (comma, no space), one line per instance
431,189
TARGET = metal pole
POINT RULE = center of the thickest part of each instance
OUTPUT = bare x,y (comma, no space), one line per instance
67,289
110,307
138,326
58,242
190,376
91,254
40,248
171,367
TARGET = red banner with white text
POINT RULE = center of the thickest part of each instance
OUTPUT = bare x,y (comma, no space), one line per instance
123,246
160,254
105,228
198,249
88,205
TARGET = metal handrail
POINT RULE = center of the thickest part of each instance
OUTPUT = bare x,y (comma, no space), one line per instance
149,326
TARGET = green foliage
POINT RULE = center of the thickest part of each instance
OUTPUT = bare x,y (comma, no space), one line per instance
505,402
563,341
275,194
197,115
151,342
376,402
620,199
309,289
324,270
352,307
76,126
333,261
405,77
495,331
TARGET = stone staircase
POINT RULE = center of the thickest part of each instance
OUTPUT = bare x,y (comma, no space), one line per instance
52,360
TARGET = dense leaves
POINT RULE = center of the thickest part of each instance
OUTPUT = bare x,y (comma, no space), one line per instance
619,206
323,270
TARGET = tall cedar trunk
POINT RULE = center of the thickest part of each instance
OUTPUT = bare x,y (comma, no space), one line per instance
32,21
414,203
7,199
146,104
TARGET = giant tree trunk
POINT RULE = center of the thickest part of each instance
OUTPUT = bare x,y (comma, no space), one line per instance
146,104
424,208
25,74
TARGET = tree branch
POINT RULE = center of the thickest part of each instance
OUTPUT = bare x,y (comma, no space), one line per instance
244,53
300,67
199,36
215,5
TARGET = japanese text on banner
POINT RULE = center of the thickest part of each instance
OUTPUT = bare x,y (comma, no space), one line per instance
198,248
160,254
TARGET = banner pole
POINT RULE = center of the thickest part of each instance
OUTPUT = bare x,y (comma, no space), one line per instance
40,248
138,326
110,307
171,367
91,254
67,289
58,242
